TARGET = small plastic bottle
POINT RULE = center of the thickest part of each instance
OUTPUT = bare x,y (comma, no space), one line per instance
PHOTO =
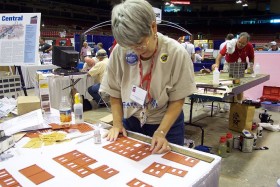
222,150
229,142
257,69
78,109
97,137
216,77
65,110
259,131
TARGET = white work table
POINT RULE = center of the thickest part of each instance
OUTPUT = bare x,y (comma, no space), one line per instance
202,174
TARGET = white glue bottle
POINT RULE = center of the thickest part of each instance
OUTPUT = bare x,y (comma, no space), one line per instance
257,70
216,77
78,109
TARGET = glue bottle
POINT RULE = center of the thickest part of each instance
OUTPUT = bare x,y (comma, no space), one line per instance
257,69
216,77
78,109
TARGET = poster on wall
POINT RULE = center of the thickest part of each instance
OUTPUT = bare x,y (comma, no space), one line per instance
19,39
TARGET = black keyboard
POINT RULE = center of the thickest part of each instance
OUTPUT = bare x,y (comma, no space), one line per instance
67,72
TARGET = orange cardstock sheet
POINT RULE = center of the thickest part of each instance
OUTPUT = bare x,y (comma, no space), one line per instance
36,174
137,183
158,170
129,148
187,161
7,180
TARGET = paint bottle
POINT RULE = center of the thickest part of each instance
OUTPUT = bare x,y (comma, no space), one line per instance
229,142
222,150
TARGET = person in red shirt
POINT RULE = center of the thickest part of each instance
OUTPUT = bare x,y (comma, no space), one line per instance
237,51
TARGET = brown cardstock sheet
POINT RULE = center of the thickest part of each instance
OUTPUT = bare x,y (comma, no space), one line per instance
156,169
36,174
137,183
129,148
187,161
7,180
105,172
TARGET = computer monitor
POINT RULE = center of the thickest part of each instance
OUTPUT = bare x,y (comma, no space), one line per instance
65,57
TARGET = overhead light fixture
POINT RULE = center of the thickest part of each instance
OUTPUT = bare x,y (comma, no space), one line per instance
181,2
171,4
238,2
167,3
245,4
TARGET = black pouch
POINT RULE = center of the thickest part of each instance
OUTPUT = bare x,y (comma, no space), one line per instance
86,104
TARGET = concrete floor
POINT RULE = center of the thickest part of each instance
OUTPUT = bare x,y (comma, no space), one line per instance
259,168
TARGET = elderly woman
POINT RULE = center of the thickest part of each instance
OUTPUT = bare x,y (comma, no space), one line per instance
148,77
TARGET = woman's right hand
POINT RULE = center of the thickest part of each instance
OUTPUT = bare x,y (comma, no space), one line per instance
114,132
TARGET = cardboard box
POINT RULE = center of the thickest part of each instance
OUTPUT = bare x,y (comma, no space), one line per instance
44,92
27,104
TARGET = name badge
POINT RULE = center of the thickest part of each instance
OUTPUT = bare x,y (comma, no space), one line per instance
138,95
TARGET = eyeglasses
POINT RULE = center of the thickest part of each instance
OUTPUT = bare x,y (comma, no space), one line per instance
242,44
141,47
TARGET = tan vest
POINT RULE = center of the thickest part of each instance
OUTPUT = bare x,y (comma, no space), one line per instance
172,78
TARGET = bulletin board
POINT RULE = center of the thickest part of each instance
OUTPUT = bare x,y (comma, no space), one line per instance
19,39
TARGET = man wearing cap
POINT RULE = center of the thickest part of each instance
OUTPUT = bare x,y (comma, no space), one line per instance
274,46
198,57
98,72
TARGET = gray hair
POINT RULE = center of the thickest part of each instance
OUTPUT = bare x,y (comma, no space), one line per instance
244,34
131,21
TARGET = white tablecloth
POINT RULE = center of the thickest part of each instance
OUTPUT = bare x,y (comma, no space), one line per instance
29,73
203,174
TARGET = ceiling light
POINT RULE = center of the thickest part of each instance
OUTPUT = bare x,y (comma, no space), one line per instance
245,4
167,3
171,5
238,2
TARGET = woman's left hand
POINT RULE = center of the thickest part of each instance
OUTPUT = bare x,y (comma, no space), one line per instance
159,143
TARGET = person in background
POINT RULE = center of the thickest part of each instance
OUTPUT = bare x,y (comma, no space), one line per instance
225,64
43,46
148,78
237,50
98,72
85,51
189,47
198,57
89,63
99,46
273,46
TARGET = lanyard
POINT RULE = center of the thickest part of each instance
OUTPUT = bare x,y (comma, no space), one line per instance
148,77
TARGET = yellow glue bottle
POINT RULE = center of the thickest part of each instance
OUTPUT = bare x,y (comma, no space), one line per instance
78,109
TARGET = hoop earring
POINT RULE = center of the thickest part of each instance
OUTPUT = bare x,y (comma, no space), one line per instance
155,36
